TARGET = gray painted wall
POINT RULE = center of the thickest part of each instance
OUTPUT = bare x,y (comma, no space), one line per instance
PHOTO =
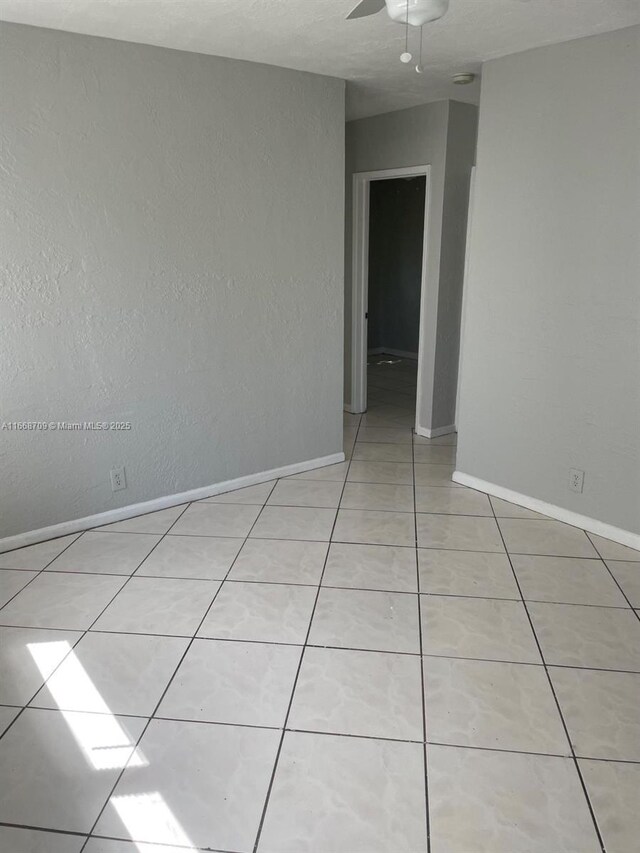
396,232
551,373
172,255
461,153
423,135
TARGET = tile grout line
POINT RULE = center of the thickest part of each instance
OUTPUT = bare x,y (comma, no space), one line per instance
77,535
170,846
596,559
49,829
424,705
613,577
61,661
38,572
214,639
300,662
239,580
555,697
84,632
226,723
175,671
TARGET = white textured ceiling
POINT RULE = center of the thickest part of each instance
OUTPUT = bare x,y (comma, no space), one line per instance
312,35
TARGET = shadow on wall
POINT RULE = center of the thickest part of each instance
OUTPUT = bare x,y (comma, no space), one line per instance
396,229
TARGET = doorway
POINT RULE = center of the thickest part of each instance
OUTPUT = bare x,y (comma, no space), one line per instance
390,225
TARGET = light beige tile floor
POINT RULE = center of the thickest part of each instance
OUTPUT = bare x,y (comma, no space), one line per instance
365,658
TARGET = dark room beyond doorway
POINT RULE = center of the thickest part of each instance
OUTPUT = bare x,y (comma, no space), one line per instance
396,229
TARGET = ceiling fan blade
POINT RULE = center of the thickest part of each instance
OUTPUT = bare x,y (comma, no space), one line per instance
366,8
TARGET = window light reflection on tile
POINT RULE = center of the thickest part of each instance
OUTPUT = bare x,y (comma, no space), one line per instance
148,816
105,743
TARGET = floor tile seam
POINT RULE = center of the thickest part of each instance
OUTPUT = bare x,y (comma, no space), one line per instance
329,647
382,544
515,662
82,633
368,509
88,837
343,734
52,539
170,681
135,571
129,532
299,668
613,577
425,757
556,700
43,829
38,572
448,464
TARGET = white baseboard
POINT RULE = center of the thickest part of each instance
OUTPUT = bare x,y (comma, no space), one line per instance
592,525
434,433
399,353
31,537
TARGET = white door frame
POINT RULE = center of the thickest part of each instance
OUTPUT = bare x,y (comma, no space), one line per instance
360,279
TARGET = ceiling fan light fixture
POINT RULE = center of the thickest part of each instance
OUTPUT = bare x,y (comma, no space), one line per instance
416,13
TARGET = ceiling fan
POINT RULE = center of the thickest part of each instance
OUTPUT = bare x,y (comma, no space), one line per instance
416,13
412,12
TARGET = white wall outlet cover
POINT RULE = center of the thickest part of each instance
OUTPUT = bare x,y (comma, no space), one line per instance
576,480
118,479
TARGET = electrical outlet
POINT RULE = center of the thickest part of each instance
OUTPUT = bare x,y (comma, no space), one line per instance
118,479
576,480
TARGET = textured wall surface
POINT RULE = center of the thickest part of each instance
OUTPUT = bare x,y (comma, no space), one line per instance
396,235
551,372
172,244
441,135
461,153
